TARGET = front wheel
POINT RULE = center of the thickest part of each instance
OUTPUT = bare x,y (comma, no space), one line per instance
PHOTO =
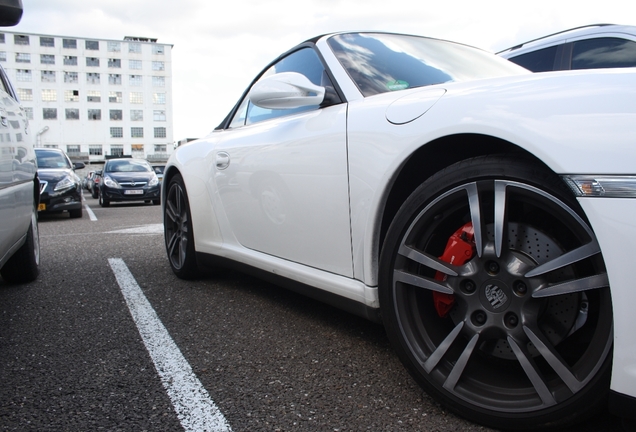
494,294
178,233
24,265
103,202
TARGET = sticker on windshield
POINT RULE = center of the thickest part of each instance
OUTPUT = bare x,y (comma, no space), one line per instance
397,85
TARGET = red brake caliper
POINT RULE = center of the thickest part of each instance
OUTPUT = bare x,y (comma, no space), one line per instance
459,249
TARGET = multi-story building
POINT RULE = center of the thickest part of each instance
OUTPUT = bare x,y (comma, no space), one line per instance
94,98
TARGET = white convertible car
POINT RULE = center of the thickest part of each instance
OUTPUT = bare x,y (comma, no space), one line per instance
484,214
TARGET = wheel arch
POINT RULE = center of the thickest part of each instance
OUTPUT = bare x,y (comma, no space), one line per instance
431,158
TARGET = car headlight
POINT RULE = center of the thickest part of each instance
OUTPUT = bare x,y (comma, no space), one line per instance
64,184
154,181
111,183
602,186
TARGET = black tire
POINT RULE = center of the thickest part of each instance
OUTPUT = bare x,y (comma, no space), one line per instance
76,214
102,201
94,192
513,351
156,201
178,231
24,265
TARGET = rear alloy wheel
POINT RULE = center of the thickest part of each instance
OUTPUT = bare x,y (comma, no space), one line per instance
494,293
178,232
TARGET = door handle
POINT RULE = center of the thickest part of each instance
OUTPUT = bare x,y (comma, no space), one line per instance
222,160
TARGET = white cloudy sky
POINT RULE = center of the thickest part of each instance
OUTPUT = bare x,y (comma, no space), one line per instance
220,45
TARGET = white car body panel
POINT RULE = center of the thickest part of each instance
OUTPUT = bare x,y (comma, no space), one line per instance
356,168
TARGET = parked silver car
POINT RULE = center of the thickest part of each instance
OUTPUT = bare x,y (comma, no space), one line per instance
19,184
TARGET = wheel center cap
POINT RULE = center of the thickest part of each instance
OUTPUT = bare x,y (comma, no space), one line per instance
495,295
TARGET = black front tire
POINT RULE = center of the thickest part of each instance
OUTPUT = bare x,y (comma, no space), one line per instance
527,340
103,202
178,230
76,214
24,265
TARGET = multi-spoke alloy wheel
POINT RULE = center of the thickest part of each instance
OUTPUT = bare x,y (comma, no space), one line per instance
494,293
178,230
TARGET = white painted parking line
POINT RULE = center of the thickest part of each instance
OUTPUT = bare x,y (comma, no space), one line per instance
141,229
195,409
91,215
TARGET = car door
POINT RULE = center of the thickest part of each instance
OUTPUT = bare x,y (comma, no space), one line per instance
282,177
17,169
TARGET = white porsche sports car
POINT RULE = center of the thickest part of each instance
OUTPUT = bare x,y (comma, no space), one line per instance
484,214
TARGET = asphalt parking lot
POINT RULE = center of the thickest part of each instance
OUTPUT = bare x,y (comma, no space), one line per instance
79,349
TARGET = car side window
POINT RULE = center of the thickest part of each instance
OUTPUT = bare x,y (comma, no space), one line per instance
304,61
603,53
537,61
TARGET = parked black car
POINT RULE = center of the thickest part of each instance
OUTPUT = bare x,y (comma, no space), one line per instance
93,185
60,187
128,180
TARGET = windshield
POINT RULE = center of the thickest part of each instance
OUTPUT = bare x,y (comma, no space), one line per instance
380,63
129,165
51,159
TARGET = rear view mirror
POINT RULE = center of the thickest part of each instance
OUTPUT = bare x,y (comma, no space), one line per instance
10,12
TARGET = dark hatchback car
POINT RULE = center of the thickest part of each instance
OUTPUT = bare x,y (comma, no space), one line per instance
128,180
60,187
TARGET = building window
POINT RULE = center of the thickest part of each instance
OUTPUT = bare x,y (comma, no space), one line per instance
23,75
92,78
114,63
137,148
48,76
114,46
47,41
160,132
3,56
49,95
136,132
47,59
22,58
116,115
70,60
73,150
134,47
136,97
92,61
134,80
116,150
160,148
92,45
25,94
159,115
114,79
159,98
94,114
71,77
1,37
93,96
71,95
158,81
158,49
72,113
117,132
158,66
95,149
136,115
28,112
69,43
49,113
114,97
20,39
134,64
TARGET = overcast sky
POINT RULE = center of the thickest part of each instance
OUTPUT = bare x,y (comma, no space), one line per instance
219,46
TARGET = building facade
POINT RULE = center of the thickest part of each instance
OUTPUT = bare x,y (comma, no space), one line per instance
94,98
